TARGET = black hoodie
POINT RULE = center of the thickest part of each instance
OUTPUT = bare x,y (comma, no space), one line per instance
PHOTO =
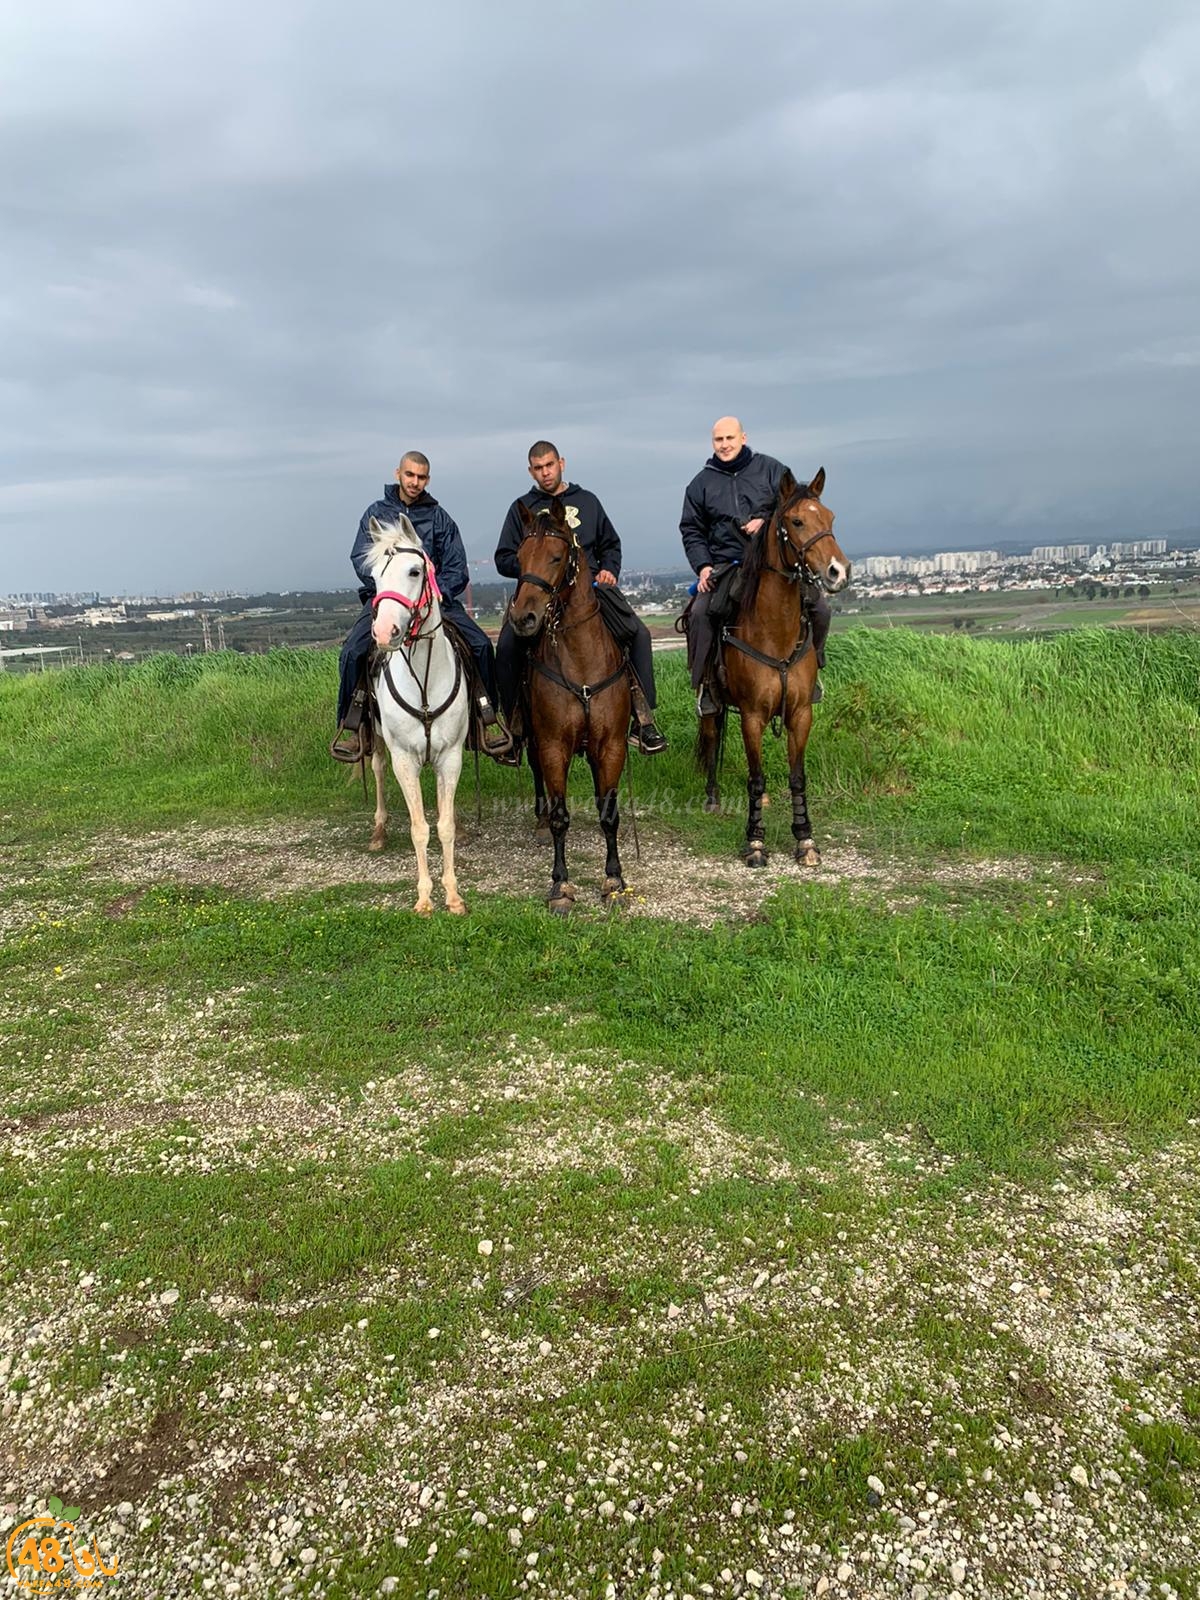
600,540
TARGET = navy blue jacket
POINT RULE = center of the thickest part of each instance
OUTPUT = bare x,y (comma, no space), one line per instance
719,499
438,532
600,540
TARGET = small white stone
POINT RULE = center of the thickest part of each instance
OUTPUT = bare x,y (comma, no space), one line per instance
845,1572
485,1247
168,1297
528,1515
674,1311
754,1579
389,1586
607,1508
875,1483
1079,1475
958,1574
426,1496
822,1585
308,1555
514,1537
545,1347
125,1510
479,1518
920,1592
1032,1498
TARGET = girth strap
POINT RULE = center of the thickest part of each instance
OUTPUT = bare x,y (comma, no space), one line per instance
585,693
781,667
426,715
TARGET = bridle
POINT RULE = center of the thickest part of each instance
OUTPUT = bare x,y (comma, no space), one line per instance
795,571
566,578
420,609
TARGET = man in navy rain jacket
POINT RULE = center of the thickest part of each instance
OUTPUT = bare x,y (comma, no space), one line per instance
726,503
409,496
601,545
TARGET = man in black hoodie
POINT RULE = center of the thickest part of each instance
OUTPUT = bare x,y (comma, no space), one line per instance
727,502
602,546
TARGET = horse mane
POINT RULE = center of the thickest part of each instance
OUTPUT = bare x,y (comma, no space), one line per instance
387,538
756,550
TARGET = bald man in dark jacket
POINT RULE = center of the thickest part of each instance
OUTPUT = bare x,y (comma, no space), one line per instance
728,501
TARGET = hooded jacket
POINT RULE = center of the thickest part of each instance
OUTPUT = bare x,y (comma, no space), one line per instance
438,532
600,540
720,499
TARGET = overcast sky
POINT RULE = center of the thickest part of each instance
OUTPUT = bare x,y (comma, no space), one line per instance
948,249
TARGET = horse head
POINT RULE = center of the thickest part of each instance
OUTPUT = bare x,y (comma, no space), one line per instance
405,581
805,532
548,557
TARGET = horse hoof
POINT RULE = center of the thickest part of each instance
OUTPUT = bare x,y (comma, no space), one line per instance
377,842
712,805
562,907
423,908
456,908
807,854
756,856
614,891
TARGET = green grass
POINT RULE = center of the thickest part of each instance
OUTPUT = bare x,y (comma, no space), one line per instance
1087,745
967,1032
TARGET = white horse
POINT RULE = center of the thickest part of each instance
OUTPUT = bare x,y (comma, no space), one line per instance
423,698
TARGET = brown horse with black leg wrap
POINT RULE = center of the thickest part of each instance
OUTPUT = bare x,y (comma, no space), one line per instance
579,692
768,666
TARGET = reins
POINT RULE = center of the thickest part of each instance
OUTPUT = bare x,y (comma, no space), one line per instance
790,572
420,609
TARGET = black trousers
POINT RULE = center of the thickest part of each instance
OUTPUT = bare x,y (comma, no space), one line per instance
358,647
623,622
700,629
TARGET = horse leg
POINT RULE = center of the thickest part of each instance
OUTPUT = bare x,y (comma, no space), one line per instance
708,749
447,784
408,776
754,853
606,775
561,898
541,808
806,852
379,768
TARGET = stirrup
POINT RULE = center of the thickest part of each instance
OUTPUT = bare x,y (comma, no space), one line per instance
706,705
349,745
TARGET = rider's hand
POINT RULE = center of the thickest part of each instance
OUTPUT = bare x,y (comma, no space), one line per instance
605,577
753,525
704,585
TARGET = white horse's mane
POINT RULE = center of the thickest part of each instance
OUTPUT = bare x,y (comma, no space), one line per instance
389,537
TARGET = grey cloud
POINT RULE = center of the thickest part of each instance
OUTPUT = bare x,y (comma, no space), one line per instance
950,251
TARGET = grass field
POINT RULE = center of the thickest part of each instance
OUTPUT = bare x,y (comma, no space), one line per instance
778,1233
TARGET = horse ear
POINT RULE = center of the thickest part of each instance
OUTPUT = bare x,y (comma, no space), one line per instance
556,513
525,514
787,485
817,484
373,528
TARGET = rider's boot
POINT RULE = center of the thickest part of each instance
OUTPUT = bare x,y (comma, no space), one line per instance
644,734
353,739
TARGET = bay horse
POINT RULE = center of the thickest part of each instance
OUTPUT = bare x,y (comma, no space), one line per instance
769,665
579,693
422,697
